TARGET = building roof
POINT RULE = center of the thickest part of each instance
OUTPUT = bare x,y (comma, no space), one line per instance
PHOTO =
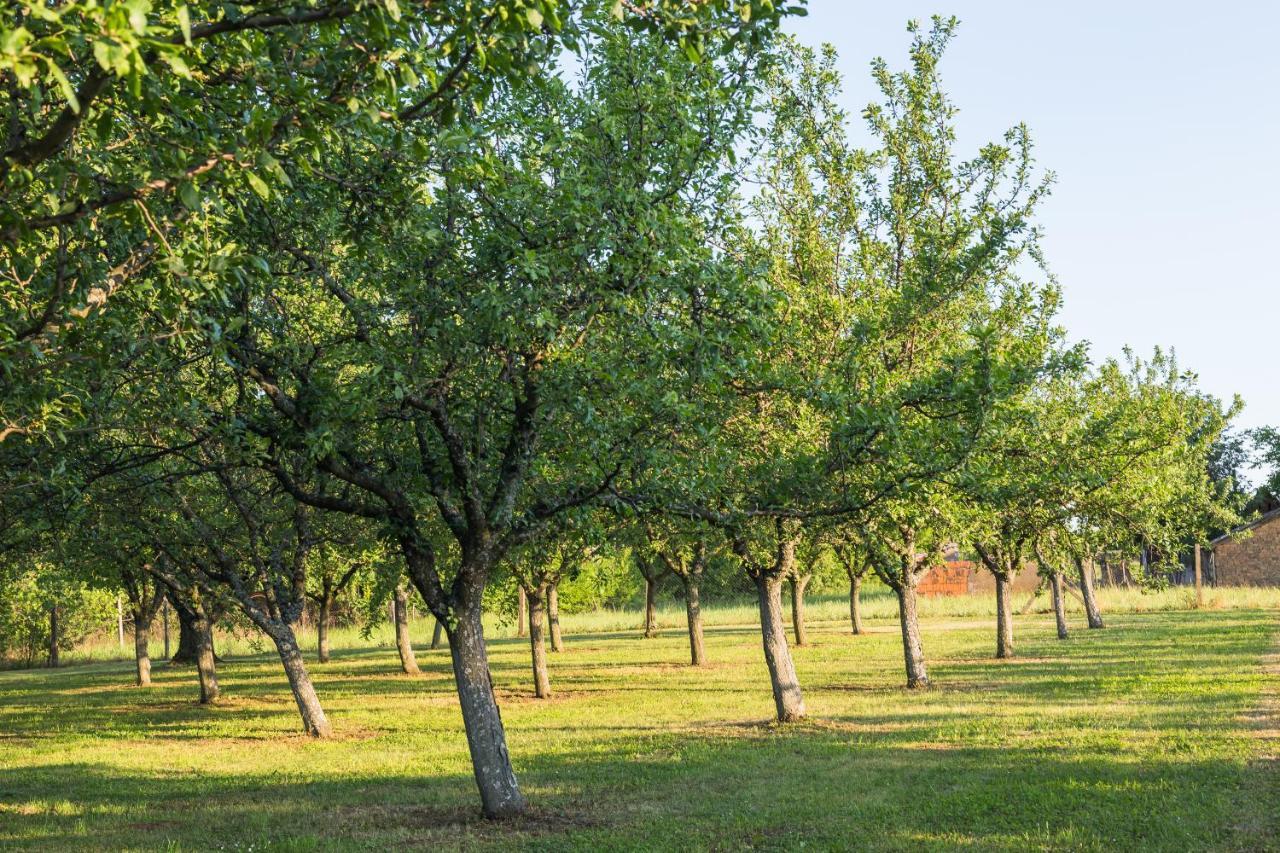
1265,518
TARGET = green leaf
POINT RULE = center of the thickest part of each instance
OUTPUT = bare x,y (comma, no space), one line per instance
535,18
258,185
68,91
189,194
184,22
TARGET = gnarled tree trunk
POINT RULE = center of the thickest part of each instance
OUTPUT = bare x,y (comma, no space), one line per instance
206,664
787,697
408,660
314,721
1091,611
553,617
693,613
486,739
1004,615
538,641
912,646
141,652
798,585
1059,608
855,603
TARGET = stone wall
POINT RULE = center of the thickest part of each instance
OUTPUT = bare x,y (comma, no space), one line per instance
1253,560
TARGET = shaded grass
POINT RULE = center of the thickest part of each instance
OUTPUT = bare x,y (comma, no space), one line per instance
1133,737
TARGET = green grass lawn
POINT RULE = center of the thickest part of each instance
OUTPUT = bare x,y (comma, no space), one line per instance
1146,735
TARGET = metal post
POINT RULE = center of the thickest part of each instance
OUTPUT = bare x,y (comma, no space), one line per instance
120,620
166,628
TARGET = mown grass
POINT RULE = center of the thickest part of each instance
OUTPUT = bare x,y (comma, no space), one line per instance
1140,736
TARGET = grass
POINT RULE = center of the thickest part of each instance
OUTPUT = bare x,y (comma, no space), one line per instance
1146,735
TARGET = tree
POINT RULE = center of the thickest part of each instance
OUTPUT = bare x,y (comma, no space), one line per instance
417,367
684,552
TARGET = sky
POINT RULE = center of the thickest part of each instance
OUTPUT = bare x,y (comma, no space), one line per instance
1161,121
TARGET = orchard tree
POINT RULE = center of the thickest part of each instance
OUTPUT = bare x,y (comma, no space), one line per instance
486,354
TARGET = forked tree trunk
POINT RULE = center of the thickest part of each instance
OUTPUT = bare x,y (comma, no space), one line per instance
912,647
1059,608
206,664
553,617
693,613
408,660
499,791
1004,615
53,636
141,654
787,697
855,603
314,721
797,608
650,607
538,641
322,629
188,638
1091,611
437,635
522,613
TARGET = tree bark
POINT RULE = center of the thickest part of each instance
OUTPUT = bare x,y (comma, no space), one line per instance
314,721
322,628
522,613
437,635
798,585
912,647
1092,613
499,791
855,604
1059,606
693,614
408,660
53,636
1004,615
650,607
206,665
538,641
787,697
188,638
141,654
553,617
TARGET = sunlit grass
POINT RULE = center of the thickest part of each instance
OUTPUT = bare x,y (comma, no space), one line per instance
1135,737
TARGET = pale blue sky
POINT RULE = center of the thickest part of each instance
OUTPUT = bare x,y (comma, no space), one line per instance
1162,122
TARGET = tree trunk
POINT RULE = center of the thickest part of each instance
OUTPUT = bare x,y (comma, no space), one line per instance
912,647
53,636
206,665
486,740
1091,610
1004,615
650,607
408,661
322,629
522,613
538,642
188,637
693,612
797,609
855,604
141,654
314,722
1059,606
553,617
437,635
782,670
